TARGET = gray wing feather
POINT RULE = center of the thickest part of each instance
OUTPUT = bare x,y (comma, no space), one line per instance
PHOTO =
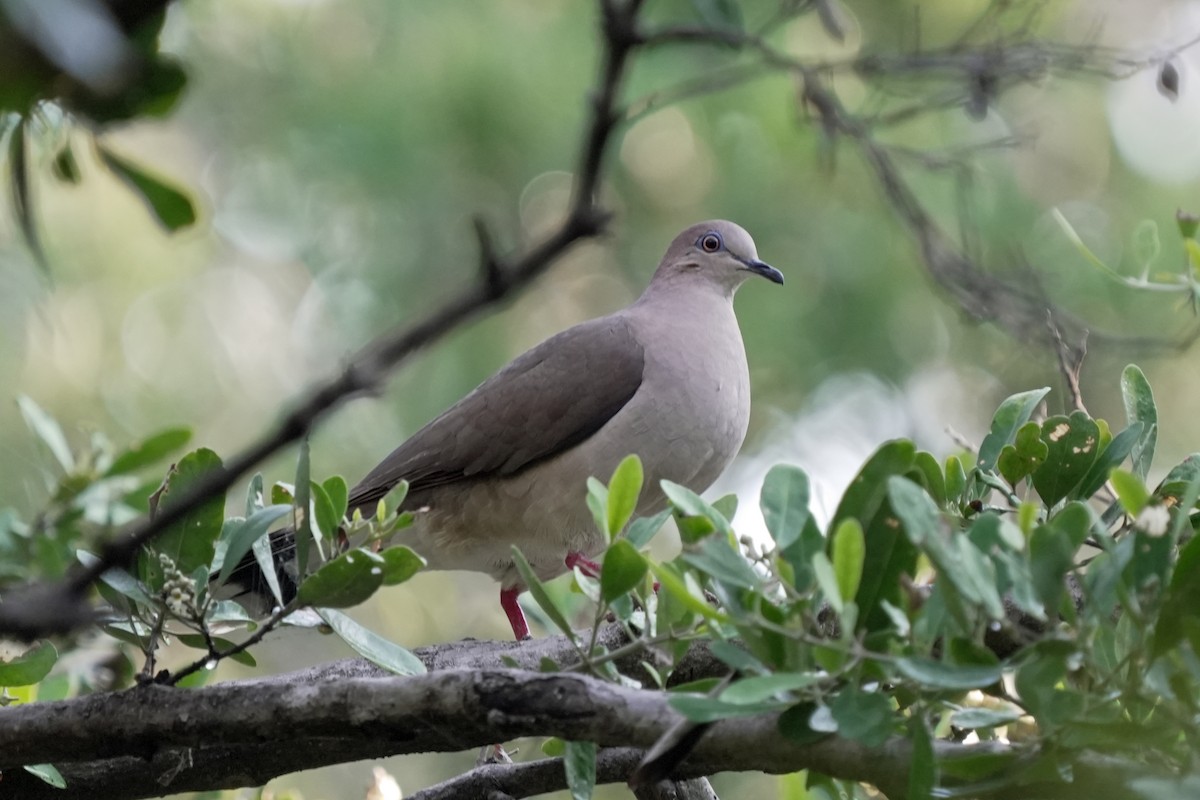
549,399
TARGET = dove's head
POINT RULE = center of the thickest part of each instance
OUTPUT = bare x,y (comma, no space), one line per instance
717,251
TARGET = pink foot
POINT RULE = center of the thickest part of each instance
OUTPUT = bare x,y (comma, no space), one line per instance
585,564
516,617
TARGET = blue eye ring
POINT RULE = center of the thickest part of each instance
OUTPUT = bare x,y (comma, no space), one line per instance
710,242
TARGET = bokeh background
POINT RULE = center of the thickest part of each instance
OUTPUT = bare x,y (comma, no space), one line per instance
338,149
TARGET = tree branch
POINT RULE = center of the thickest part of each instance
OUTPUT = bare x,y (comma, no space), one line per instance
38,609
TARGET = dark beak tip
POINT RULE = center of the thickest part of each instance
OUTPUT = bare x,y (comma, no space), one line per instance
768,272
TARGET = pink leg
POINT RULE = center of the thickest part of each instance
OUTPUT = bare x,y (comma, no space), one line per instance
585,564
516,617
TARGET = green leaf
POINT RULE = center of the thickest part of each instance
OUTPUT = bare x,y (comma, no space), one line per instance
372,646
48,773
148,451
623,569
239,536
766,687
1175,484
399,564
868,491
1024,455
265,559
119,580
338,494
690,504
1140,407
579,760
540,595
345,581
849,551
46,428
554,747
191,541
983,718
597,503
794,724
1112,456
735,657
676,586
928,472
1014,412
169,205
1130,490
784,503
827,581
623,491
324,511
254,494
702,708
717,559
1074,444
29,667
866,717
956,479
726,506
940,675
922,767
643,529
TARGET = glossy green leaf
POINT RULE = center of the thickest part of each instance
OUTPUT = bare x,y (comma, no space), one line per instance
827,581
1112,456
643,529
324,511
623,491
597,503
579,760
169,205
702,708
956,479
265,558
928,472
689,504
868,491
345,581
1024,455
983,718
399,564
849,551
149,451
717,559
372,646
191,541
784,503
540,595
866,717
29,667
922,765
1074,444
765,687
239,536
338,494
1140,407
119,580
1175,484
726,506
46,428
1014,412
940,675
48,773
623,569
1130,490
674,584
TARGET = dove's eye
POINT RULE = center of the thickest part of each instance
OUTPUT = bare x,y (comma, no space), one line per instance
711,242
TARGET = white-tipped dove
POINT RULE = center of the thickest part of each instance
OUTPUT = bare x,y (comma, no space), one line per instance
664,378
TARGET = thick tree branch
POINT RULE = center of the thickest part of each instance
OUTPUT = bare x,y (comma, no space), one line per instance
39,609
